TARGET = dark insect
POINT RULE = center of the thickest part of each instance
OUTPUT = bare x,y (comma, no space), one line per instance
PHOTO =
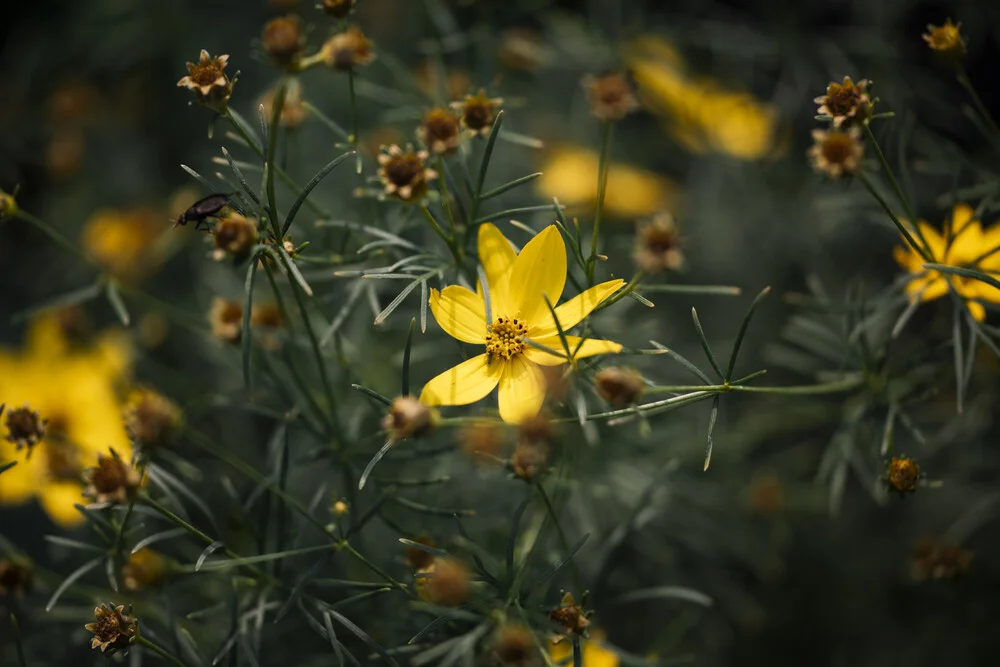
204,208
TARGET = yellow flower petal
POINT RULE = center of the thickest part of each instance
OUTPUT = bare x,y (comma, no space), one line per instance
522,390
539,271
977,310
19,483
497,257
465,383
934,240
589,348
460,313
58,500
573,311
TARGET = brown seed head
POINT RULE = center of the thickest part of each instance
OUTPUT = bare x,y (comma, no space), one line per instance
658,245
293,111
15,578
478,112
481,438
408,417
903,474
837,152
441,131
282,39
266,316
226,318
25,427
234,235
514,646
522,49
610,96
417,558
536,430
570,616
144,568
620,387
209,82
338,8
151,419
447,583
112,481
405,175
846,103
113,629
348,50
765,496
933,558
530,459
946,40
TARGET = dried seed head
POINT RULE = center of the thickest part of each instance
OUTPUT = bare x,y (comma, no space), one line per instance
610,96
144,568
903,474
293,111
432,80
25,427
151,419
658,245
408,417
846,103
266,316
405,175
514,646
765,496
113,630
15,578
446,582
946,40
837,152
570,616
234,235
478,112
209,82
933,558
536,430
226,318
112,481
417,558
282,39
482,437
530,459
620,387
347,50
338,8
441,131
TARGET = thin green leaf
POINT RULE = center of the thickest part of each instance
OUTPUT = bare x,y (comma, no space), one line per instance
17,641
958,357
743,330
395,303
4,467
198,177
156,537
74,544
115,299
338,649
374,460
246,333
676,356
320,175
427,509
496,192
71,298
209,550
965,273
326,120
363,636
515,524
712,416
239,175
488,153
704,290
338,320
511,212
666,593
372,393
406,358
434,551
704,343
71,579
552,571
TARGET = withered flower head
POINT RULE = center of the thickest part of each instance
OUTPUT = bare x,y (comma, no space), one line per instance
481,437
837,152
338,9
266,315
416,557
209,82
15,577
151,418
441,131
903,474
293,111
658,245
226,318
408,417
113,630
946,40
282,39
933,558
846,102
620,387
537,429
514,646
112,481
25,427
405,175
144,568
445,582
610,96
234,235
570,616
530,459
347,50
478,112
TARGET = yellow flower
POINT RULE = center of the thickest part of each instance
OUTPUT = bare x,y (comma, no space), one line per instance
570,175
594,652
970,246
75,390
123,241
518,285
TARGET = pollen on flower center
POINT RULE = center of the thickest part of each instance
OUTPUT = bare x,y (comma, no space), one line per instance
503,337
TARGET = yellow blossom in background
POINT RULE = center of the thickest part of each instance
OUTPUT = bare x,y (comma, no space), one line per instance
518,286
593,651
124,241
971,246
570,175
76,390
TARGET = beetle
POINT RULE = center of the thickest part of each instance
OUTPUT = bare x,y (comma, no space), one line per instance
205,207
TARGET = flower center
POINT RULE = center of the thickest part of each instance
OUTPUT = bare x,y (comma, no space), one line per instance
206,75
838,149
503,337
404,170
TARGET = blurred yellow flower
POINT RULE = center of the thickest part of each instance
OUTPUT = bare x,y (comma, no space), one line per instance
570,175
123,241
594,652
76,391
702,115
518,285
971,247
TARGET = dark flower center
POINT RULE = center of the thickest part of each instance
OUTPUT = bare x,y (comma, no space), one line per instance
659,240
478,113
206,75
842,99
838,148
110,475
404,169
504,337
441,126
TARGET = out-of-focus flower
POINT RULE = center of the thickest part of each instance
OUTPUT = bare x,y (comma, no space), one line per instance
436,83
903,474
293,111
112,481
416,557
934,558
570,175
846,102
530,458
25,427
226,319
282,39
64,153
143,569
970,246
946,40
409,417
610,96
518,286
15,577
123,241
478,112
523,49
151,419
340,509
347,50
836,152
595,654
72,101
765,495
658,244
113,630
620,387
444,582
8,205
514,646
234,235
570,616
440,131
75,389
338,8
405,174
266,319
209,82
482,437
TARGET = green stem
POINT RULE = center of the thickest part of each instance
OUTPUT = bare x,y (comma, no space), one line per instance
160,651
353,138
965,82
921,250
456,250
269,165
795,390
56,236
622,293
602,186
559,529
376,569
443,187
